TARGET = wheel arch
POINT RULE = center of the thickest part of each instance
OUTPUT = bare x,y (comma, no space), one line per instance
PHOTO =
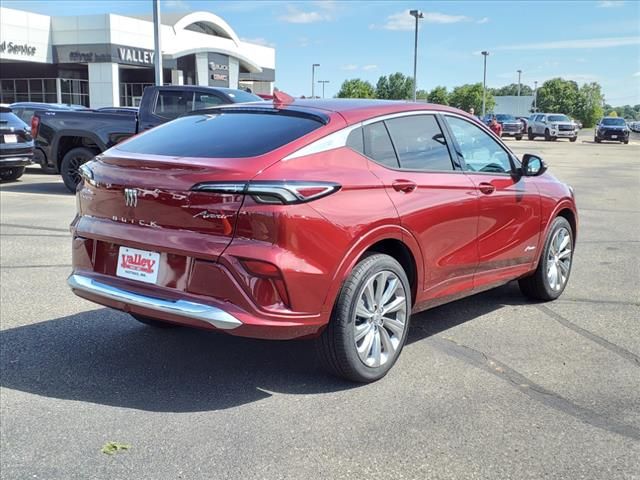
69,139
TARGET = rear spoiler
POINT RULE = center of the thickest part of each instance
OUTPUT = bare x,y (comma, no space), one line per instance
266,110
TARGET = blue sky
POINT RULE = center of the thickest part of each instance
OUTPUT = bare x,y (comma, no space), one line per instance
580,40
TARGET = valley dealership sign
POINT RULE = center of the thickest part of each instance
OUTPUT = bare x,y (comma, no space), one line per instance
103,53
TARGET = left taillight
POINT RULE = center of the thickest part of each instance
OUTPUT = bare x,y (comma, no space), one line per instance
35,124
274,192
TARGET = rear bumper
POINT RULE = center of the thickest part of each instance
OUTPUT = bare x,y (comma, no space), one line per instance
8,161
615,135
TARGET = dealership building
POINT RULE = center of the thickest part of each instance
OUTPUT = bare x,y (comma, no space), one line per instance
107,60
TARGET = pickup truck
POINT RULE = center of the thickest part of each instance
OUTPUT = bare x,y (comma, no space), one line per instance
69,139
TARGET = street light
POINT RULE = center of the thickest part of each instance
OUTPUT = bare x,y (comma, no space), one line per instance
417,14
485,54
157,60
313,79
323,82
535,96
519,81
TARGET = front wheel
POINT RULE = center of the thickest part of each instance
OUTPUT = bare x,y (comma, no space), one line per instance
626,142
530,134
11,174
573,139
518,137
370,321
70,167
551,277
547,135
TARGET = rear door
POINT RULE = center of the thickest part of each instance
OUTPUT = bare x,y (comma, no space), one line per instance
436,202
509,204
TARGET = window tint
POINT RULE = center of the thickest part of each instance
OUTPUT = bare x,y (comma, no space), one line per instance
480,152
420,143
222,135
355,140
378,146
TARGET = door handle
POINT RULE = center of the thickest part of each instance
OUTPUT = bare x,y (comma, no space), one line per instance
405,186
486,188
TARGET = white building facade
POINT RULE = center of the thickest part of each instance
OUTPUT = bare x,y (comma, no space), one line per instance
107,60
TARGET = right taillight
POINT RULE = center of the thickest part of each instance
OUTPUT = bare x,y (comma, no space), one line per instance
274,192
35,124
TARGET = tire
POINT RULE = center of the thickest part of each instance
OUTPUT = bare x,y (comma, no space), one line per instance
597,140
337,346
538,286
11,174
573,139
547,136
40,158
518,137
530,135
626,142
152,322
71,163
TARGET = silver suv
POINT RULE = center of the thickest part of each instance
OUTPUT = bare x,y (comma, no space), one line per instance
551,126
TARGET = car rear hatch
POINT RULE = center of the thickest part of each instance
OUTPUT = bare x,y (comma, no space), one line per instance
15,139
148,191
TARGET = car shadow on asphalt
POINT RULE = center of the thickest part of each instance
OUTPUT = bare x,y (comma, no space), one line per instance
105,357
48,188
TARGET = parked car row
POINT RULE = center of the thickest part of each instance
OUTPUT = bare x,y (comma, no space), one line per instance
547,125
16,145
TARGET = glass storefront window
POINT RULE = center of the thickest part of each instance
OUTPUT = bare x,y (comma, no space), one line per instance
75,91
131,93
28,90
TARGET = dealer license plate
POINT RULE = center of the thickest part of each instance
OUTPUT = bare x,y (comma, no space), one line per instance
614,136
10,139
138,265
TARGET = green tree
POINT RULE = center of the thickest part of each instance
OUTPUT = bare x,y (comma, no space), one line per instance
395,87
558,96
512,89
469,96
439,95
422,95
356,88
588,108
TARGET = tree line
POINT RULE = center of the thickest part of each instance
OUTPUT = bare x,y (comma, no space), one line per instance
583,102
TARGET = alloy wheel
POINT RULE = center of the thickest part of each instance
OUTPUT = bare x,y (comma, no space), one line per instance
380,319
559,259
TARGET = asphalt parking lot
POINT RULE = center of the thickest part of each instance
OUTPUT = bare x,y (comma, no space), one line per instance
491,386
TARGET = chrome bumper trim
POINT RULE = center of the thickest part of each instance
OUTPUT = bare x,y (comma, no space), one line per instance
197,311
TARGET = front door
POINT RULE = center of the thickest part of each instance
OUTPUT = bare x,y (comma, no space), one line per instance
435,200
509,204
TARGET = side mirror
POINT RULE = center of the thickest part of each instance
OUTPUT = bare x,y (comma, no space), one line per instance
532,165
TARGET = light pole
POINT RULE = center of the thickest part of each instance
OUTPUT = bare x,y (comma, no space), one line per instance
313,79
535,96
157,60
323,82
485,54
519,83
417,14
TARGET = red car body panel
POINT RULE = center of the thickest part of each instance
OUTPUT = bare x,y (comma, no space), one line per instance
460,240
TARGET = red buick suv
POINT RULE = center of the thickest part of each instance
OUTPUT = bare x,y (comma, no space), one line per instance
334,220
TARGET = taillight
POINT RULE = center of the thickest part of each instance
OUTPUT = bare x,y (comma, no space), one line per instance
276,192
35,124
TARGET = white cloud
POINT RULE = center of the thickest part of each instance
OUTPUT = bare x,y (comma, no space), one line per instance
176,4
260,41
404,21
367,68
575,44
610,3
349,67
295,15
483,20
637,74
352,67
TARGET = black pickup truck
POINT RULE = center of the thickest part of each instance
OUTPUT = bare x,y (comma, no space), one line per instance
70,139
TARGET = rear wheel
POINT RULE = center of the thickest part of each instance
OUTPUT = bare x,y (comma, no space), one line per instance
370,321
11,174
551,277
70,167
152,322
40,158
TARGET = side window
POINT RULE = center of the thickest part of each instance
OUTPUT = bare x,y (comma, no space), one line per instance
420,143
355,140
205,100
173,103
480,152
378,146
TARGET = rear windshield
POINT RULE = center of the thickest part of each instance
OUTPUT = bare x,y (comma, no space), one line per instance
222,135
614,121
9,119
240,96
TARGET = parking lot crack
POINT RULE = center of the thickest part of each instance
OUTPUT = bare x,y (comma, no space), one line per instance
532,390
612,347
